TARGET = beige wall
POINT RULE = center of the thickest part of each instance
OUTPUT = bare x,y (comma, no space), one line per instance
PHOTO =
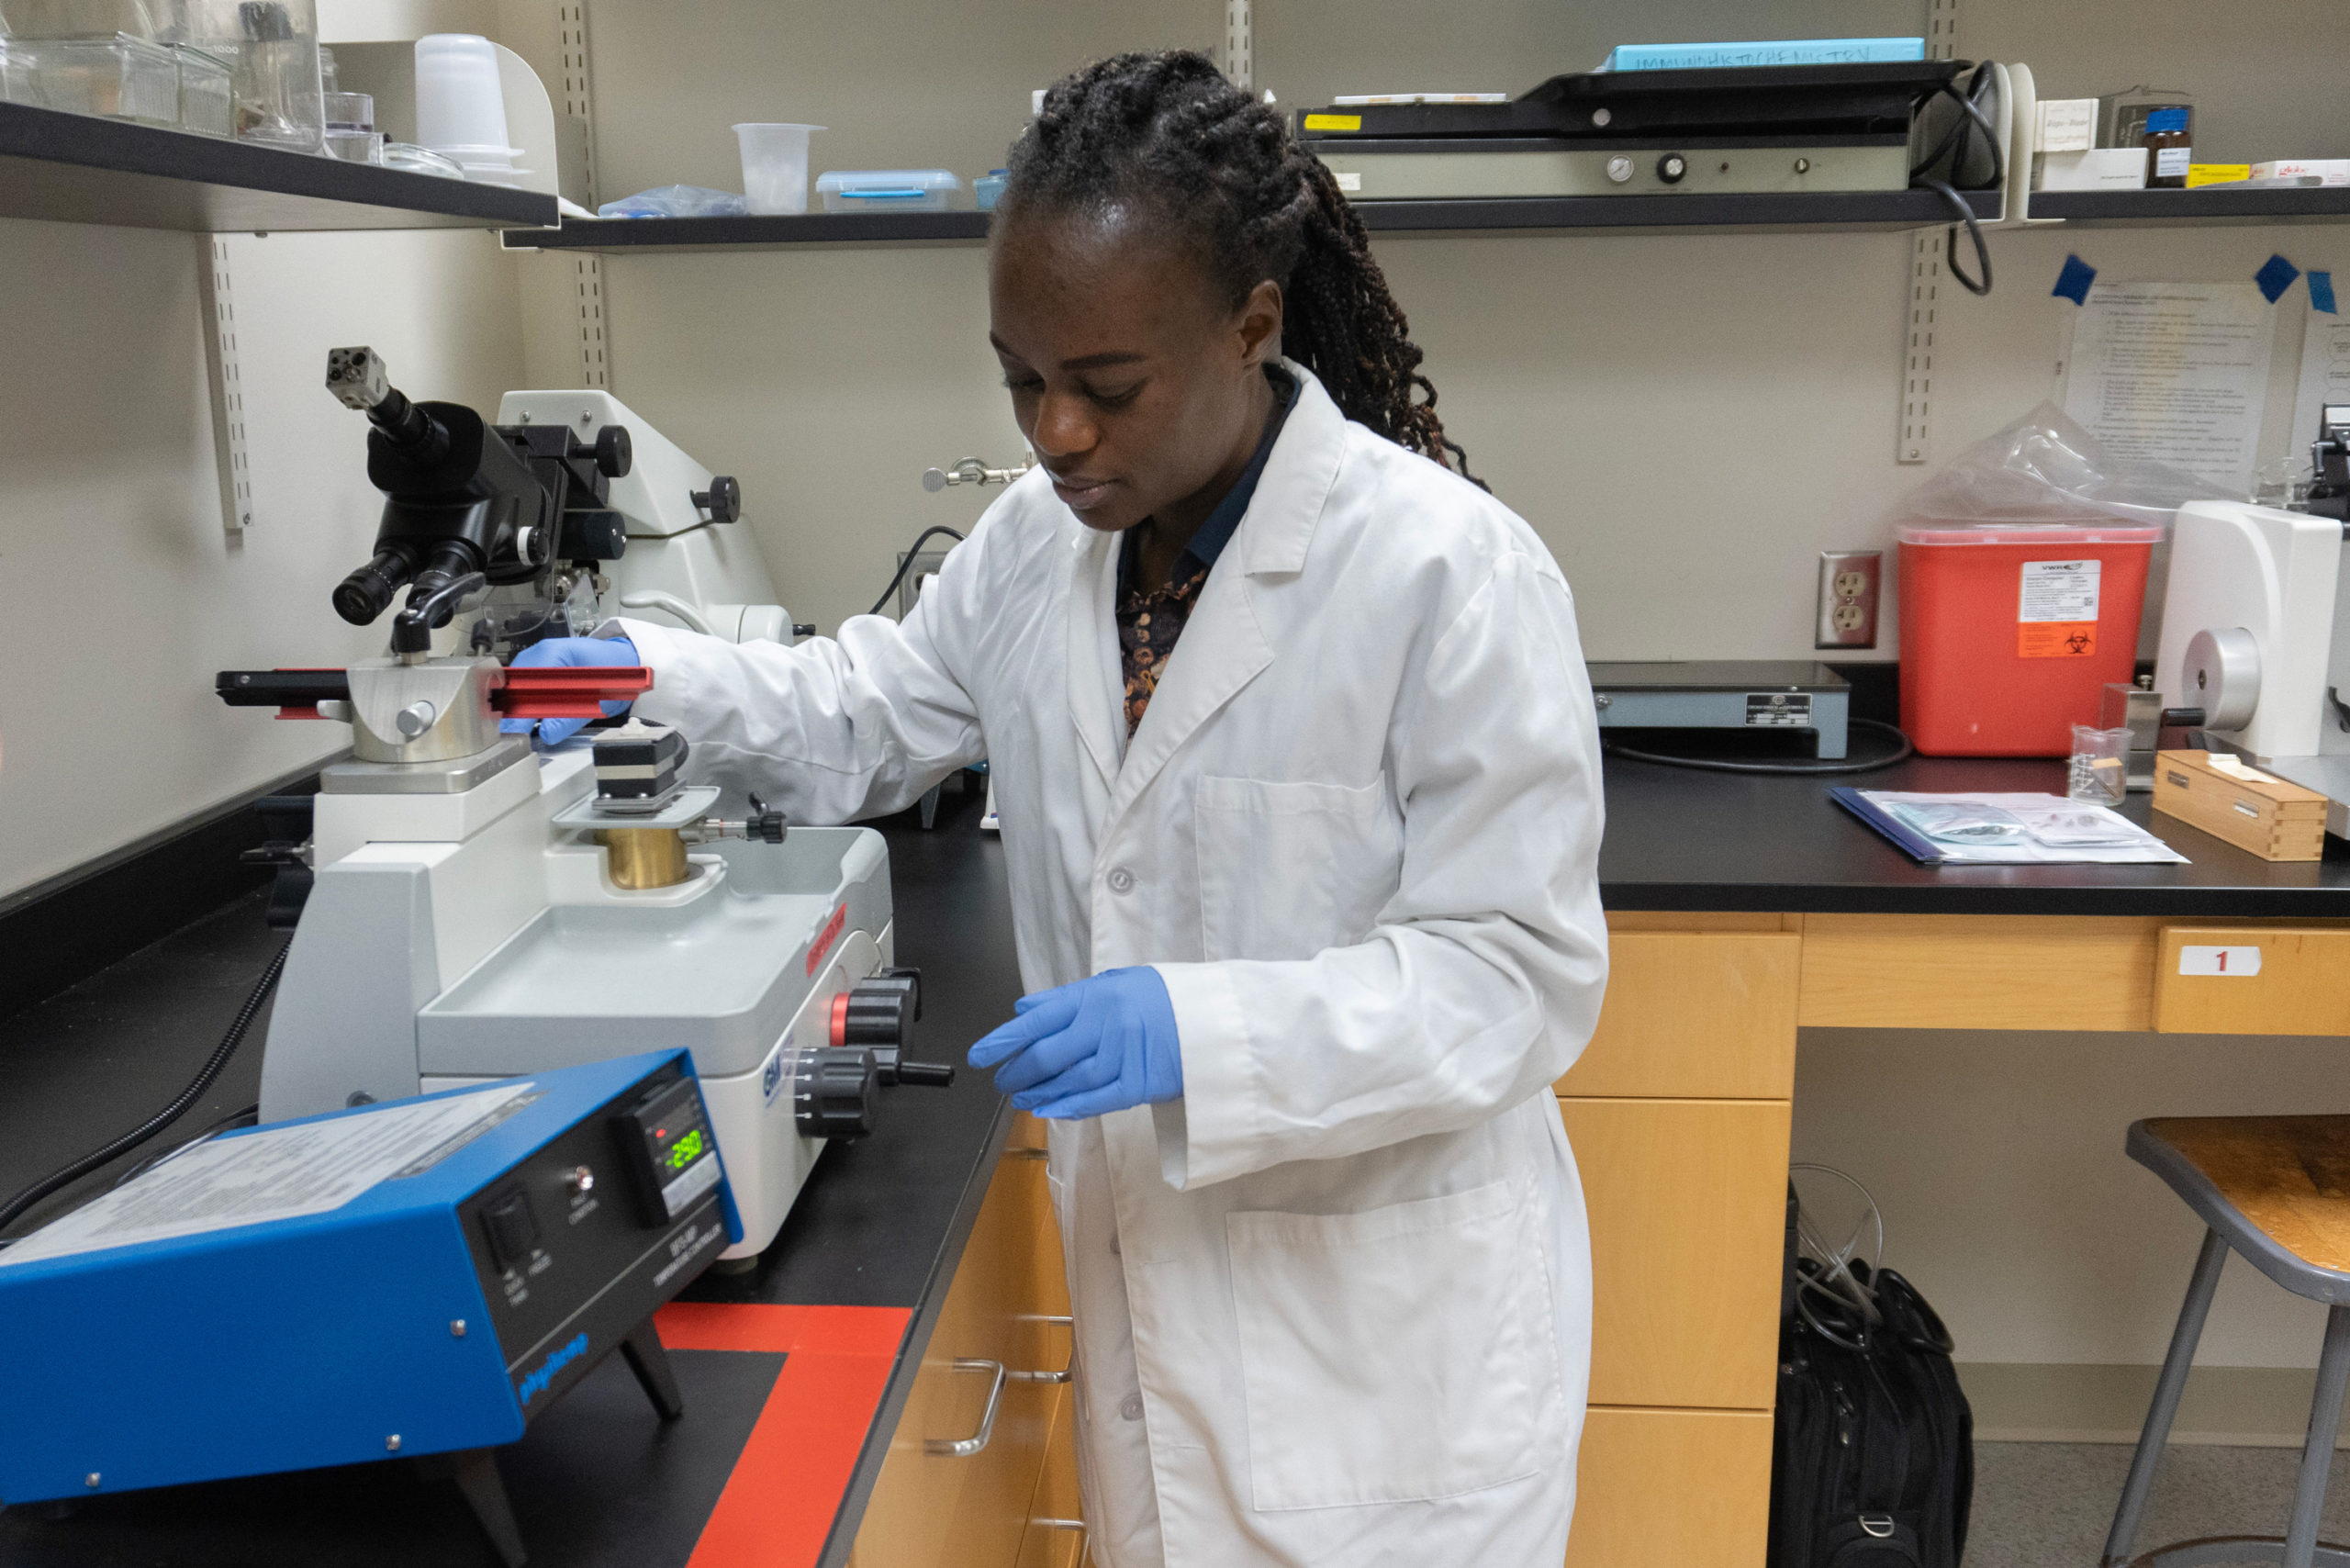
121,590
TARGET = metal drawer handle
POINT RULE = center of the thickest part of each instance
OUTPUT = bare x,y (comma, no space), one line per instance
965,1448
1068,1371
1023,1152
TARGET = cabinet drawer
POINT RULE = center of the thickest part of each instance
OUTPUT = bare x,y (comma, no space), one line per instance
2214,980
946,1511
1672,1488
1688,1225
1050,1542
1710,1014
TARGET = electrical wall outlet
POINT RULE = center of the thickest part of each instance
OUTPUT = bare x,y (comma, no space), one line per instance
1848,583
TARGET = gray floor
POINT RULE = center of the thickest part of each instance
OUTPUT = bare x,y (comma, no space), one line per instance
2049,1505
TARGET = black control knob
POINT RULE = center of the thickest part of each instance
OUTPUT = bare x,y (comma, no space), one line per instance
832,1092
723,500
879,1011
1672,168
879,1014
764,825
615,453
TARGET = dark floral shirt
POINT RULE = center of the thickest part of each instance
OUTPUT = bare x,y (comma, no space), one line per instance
1151,618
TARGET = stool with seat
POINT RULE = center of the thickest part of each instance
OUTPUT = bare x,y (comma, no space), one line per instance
2277,1190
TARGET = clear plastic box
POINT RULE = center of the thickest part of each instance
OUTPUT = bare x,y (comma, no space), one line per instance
888,190
21,74
122,76
206,103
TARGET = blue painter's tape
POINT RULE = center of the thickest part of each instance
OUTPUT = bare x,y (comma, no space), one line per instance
2322,292
2073,280
2275,276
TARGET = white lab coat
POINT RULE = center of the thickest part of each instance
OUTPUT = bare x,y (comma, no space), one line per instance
1332,1306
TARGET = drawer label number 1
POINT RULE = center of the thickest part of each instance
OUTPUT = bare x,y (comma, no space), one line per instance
2219,960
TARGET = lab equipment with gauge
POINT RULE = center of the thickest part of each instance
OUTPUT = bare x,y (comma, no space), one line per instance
1751,129
2255,635
412,1280
478,910
1795,698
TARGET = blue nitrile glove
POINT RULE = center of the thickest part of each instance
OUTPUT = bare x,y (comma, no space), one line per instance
1086,1049
574,653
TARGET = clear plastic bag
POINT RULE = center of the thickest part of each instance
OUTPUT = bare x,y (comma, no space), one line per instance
2046,471
677,201
1954,823
2085,826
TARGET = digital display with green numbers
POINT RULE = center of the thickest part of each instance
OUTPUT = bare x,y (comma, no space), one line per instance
667,1137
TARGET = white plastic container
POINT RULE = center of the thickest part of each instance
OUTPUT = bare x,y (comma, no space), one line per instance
775,166
888,190
460,108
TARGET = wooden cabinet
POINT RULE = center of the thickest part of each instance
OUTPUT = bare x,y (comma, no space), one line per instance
1977,972
940,1509
1672,1489
1678,1114
1705,1014
1688,1219
2252,980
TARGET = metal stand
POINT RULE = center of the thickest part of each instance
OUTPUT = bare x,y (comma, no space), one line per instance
475,1472
650,1361
2298,1547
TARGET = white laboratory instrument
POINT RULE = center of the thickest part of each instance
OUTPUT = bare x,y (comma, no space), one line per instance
479,910
2256,633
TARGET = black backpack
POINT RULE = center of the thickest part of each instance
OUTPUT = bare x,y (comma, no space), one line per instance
1873,1459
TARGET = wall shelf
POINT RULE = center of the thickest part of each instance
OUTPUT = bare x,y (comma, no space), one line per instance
1882,210
82,169
1795,212
2324,204
637,236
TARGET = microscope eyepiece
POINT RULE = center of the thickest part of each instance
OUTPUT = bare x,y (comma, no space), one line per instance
367,592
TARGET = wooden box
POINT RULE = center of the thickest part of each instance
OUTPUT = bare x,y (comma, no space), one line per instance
2258,811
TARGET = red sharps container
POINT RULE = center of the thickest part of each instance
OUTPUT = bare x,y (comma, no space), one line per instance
2009,634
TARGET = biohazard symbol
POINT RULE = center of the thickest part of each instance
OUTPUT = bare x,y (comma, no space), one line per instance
2056,639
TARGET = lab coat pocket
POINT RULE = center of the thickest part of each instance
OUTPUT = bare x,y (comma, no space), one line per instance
1396,1355
1289,868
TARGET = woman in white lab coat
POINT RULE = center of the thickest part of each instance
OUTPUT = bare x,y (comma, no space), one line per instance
1295,760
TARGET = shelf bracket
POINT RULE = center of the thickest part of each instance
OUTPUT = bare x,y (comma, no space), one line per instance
1239,45
1914,443
586,267
1918,358
227,384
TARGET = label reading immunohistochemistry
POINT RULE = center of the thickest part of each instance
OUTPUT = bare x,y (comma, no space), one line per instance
2056,609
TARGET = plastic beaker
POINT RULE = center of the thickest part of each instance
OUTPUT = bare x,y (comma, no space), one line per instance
459,104
775,166
2099,771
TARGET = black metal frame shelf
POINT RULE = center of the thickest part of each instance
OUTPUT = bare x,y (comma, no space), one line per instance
1797,213
2324,204
82,169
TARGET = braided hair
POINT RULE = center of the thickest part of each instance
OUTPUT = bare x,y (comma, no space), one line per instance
1165,132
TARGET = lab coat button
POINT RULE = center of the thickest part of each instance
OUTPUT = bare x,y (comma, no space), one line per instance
1130,1408
1121,880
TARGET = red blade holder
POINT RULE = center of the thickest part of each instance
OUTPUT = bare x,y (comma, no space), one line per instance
562,691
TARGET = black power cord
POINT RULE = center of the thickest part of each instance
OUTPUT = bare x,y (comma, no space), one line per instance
1901,752
1958,144
179,1107
924,537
